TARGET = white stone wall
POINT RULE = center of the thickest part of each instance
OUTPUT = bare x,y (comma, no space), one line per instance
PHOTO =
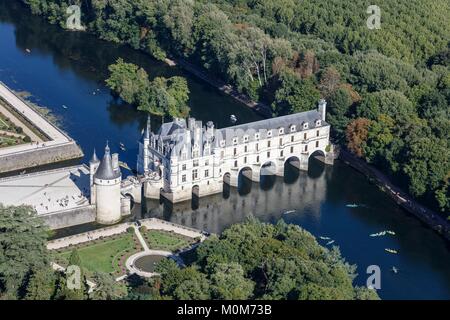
108,200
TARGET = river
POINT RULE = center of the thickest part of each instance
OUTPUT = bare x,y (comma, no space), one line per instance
65,68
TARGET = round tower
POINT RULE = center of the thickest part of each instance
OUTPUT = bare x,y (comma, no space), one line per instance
107,181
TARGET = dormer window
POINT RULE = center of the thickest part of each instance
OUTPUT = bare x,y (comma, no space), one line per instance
305,125
235,140
281,131
245,138
269,133
293,128
257,136
222,143
318,122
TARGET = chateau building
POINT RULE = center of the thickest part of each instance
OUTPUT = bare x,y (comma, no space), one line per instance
186,159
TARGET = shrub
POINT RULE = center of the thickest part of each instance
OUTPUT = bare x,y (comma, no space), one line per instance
130,229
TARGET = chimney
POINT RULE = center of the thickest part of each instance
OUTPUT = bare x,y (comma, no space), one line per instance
322,108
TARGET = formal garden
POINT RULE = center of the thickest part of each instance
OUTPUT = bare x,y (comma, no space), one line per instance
10,134
165,240
107,254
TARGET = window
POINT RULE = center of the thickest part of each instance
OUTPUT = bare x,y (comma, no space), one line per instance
306,148
317,133
268,144
222,143
317,144
305,136
269,133
245,149
183,167
292,138
268,154
235,140
257,147
235,151
256,136
318,122
236,163
281,153
195,163
194,174
222,154
292,128
245,138
207,162
257,159
305,125
281,141
292,149
183,178
206,173
245,159
281,131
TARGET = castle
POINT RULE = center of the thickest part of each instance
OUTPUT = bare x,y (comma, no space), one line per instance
185,159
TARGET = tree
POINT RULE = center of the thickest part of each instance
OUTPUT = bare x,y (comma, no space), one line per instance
329,81
106,287
166,96
42,285
229,283
340,102
160,97
388,102
295,95
127,80
23,239
356,134
379,137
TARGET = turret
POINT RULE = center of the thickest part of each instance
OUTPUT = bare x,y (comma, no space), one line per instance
107,179
93,166
146,144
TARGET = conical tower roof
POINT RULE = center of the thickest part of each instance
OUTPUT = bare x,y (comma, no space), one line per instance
94,158
105,170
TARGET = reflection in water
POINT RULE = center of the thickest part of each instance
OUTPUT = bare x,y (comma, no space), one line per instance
267,201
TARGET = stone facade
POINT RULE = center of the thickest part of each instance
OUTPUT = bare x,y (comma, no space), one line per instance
185,159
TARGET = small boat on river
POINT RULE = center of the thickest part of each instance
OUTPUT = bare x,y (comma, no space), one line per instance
391,251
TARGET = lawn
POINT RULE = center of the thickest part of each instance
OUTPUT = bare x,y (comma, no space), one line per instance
164,240
107,255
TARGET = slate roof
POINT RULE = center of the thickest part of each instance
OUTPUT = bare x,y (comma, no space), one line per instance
105,170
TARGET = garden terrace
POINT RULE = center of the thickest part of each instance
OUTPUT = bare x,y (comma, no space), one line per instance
107,254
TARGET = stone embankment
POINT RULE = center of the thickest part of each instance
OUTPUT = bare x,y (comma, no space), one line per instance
427,216
56,147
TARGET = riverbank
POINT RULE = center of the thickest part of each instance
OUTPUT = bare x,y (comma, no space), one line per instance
259,107
431,218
